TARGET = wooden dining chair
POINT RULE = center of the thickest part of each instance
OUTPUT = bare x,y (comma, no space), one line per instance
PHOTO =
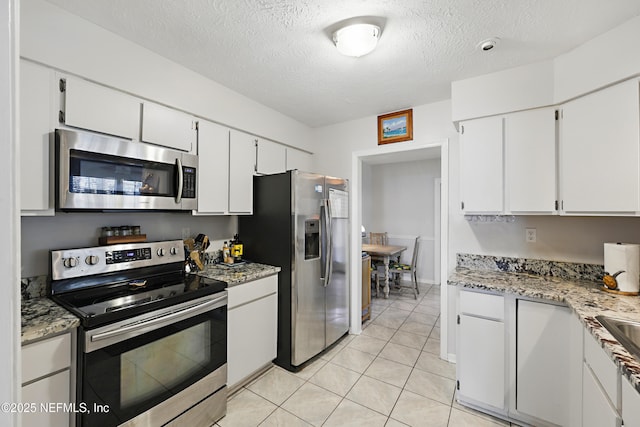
398,270
378,238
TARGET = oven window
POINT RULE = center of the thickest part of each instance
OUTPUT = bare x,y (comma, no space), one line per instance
134,375
102,174
144,371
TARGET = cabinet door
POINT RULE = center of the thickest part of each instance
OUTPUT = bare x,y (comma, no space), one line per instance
630,404
481,165
49,390
167,127
297,159
271,158
36,127
98,108
530,150
213,173
597,410
481,363
542,361
600,150
251,344
242,157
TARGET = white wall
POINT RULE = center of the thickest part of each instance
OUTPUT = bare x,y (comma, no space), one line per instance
64,41
9,214
399,198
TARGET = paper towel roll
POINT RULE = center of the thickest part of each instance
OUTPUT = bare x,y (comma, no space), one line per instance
623,257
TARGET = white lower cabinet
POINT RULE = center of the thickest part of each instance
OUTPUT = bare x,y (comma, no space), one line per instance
46,380
630,404
542,361
597,409
481,351
252,328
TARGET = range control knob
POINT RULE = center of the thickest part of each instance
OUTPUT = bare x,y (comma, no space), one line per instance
70,262
161,252
91,260
173,251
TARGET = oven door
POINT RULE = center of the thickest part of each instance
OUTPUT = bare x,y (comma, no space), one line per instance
103,173
150,369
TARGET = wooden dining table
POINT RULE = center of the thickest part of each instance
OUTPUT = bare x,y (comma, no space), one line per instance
383,253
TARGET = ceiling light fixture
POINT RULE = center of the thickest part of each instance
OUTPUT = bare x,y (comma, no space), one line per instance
488,44
357,39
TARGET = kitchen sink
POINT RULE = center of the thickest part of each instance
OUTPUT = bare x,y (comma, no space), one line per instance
627,332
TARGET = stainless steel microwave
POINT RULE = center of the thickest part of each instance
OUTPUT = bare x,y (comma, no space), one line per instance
97,172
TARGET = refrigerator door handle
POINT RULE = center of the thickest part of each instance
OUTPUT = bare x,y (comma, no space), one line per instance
329,214
326,233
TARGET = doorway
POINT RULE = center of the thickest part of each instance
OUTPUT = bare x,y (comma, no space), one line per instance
391,154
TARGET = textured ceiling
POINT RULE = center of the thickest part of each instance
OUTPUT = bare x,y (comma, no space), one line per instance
280,53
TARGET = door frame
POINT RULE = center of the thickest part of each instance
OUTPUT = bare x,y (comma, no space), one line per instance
389,151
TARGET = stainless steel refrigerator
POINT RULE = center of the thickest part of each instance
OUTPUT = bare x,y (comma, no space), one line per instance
300,223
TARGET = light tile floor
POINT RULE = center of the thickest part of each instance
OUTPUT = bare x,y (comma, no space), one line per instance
390,375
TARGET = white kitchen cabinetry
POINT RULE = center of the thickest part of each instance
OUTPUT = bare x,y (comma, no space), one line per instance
481,165
300,160
242,157
576,358
542,361
508,163
46,378
98,108
168,127
601,387
630,404
252,328
530,161
600,151
270,157
213,169
481,351
37,101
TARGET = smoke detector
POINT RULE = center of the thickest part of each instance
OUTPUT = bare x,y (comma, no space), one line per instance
488,44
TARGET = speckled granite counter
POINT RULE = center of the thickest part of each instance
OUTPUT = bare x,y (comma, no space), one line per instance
236,274
583,296
42,317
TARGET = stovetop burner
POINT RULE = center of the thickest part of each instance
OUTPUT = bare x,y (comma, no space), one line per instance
123,290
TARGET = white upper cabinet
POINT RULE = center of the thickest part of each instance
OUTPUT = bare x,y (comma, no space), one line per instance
481,165
530,161
599,151
297,159
91,106
168,127
213,172
37,93
242,157
271,157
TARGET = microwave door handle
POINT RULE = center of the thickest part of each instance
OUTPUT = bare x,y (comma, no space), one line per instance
180,181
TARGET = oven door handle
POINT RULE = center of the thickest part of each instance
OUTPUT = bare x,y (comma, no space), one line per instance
172,317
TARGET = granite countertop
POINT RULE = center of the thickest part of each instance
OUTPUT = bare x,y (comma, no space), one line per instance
236,274
42,317
584,297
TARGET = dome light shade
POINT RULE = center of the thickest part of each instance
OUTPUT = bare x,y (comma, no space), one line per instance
357,39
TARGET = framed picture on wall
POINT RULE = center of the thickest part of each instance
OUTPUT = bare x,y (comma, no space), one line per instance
395,127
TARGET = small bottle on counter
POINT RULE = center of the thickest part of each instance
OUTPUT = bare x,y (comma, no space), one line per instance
226,254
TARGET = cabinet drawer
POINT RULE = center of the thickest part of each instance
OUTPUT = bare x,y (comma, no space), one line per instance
53,389
603,368
483,305
242,294
44,357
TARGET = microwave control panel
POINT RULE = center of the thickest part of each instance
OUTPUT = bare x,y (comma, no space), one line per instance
189,182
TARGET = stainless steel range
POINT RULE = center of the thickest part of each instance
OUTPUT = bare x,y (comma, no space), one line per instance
152,345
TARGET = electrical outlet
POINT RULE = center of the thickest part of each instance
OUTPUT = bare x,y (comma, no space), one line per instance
530,235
